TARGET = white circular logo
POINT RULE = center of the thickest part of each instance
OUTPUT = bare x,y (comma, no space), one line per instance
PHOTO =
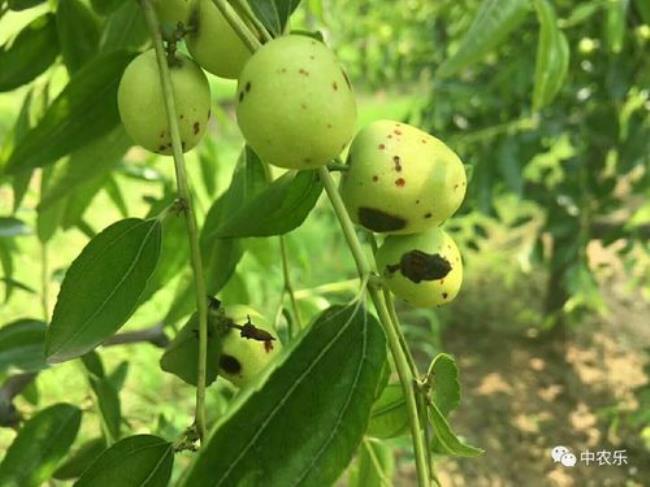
568,460
558,452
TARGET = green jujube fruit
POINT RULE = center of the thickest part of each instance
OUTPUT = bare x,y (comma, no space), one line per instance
171,12
401,180
295,105
213,43
142,108
424,269
243,359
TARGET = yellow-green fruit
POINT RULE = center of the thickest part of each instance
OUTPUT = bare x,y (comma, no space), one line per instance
401,180
213,43
424,269
243,359
295,105
142,108
171,12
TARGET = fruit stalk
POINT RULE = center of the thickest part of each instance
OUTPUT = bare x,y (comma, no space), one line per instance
401,361
238,25
190,217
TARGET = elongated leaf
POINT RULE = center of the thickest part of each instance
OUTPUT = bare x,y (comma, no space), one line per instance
552,56
78,31
274,14
443,373
22,345
108,405
376,465
389,417
12,227
221,255
80,459
48,217
118,376
615,25
23,4
267,439
448,441
79,200
125,28
495,20
102,287
41,443
91,162
104,7
136,461
85,110
114,192
31,53
278,209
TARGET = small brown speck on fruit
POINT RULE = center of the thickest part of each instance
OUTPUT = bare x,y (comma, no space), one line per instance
307,160
390,136
455,186
335,85
248,87
230,364
161,148
382,146
183,145
397,132
400,182
444,295
182,116
329,125
312,57
303,106
241,97
303,72
417,202
196,127
423,141
375,178
398,163
428,215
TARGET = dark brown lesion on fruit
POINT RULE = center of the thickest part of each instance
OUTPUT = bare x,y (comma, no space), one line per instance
335,85
303,72
428,215
418,266
196,127
398,163
230,364
248,87
241,96
380,221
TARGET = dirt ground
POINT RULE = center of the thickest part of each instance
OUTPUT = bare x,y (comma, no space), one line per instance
522,396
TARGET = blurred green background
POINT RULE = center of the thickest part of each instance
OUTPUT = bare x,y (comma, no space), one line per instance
551,326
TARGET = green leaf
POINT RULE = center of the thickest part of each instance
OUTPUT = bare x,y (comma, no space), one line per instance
13,227
495,20
443,374
389,417
41,443
447,440
79,201
118,376
376,465
23,4
278,209
48,217
115,195
643,6
552,62
267,439
78,33
93,364
181,355
79,460
22,345
31,53
108,405
85,110
209,163
136,461
125,28
102,287
274,14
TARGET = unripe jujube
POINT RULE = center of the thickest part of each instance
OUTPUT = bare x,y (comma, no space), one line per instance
424,269
171,12
401,180
243,359
295,104
142,108
213,43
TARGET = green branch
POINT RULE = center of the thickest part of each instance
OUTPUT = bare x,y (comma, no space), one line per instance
238,25
190,217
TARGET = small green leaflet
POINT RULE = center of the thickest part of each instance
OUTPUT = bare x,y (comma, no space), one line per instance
22,346
274,14
102,287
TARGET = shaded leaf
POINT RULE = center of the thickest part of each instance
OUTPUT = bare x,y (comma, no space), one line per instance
85,110
389,417
22,345
136,461
78,31
375,465
552,62
102,287
446,439
30,54
332,372
80,459
443,374
125,28
495,20
41,443
274,14
13,227
104,7
23,4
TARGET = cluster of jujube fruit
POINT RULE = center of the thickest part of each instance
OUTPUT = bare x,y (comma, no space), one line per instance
296,109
